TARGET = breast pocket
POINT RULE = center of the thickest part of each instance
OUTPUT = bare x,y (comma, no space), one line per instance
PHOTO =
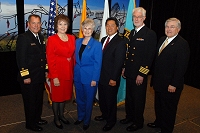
34,49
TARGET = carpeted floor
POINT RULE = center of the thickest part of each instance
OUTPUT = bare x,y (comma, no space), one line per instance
187,120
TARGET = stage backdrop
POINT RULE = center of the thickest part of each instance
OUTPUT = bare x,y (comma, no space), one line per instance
188,12
13,21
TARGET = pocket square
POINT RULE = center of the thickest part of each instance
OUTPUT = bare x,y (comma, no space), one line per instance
139,39
32,44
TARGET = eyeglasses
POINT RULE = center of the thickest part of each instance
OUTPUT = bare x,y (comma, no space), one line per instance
138,17
170,27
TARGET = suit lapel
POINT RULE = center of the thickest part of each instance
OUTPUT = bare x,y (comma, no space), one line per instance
87,48
172,43
33,39
160,43
138,34
111,43
78,49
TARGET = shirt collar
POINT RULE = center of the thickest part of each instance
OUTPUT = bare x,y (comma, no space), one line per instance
139,28
112,36
171,38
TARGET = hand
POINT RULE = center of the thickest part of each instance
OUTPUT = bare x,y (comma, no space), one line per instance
171,88
27,81
69,59
112,83
46,74
139,80
56,82
123,70
93,83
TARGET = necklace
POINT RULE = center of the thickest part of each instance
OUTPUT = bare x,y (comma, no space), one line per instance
63,37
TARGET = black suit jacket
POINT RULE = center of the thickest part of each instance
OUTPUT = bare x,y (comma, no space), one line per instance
141,52
31,57
170,65
113,59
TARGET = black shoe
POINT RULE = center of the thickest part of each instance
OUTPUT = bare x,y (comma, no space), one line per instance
107,127
96,104
60,126
85,127
42,122
99,118
65,121
125,121
35,128
152,125
158,131
133,127
74,102
77,122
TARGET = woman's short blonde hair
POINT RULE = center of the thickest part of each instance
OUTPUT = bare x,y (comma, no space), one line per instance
88,21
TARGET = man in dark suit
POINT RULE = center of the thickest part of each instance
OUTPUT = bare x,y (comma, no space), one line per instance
31,61
114,54
140,54
168,76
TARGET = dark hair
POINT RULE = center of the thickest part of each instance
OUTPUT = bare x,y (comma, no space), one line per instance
114,19
61,17
33,15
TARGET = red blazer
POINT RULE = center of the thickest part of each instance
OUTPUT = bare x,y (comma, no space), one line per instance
60,57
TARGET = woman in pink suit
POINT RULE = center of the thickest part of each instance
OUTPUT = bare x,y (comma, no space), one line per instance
60,58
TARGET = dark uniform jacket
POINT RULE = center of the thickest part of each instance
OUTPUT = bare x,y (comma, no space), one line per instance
171,64
113,60
140,52
31,57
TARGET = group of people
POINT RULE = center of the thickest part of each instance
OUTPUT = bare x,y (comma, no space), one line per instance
89,64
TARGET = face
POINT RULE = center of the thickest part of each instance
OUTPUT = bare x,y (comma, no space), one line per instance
87,30
138,19
62,26
111,27
34,24
171,29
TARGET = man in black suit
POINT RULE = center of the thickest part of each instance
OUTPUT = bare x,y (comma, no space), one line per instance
140,55
31,61
168,76
114,54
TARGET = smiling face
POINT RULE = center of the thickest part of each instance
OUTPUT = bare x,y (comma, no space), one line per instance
62,26
171,29
34,24
111,27
87,30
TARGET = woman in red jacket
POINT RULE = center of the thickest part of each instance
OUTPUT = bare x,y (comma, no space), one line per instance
60,58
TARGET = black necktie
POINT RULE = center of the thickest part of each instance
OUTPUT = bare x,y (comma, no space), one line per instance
134,32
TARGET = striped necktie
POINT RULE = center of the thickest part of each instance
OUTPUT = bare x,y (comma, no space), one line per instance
37,37
107,41
163,46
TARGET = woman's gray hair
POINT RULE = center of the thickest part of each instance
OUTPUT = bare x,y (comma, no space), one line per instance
174,19
140,9
88,21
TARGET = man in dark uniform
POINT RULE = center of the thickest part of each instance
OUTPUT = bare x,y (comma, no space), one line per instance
31,61
140,54
168,75
114,52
